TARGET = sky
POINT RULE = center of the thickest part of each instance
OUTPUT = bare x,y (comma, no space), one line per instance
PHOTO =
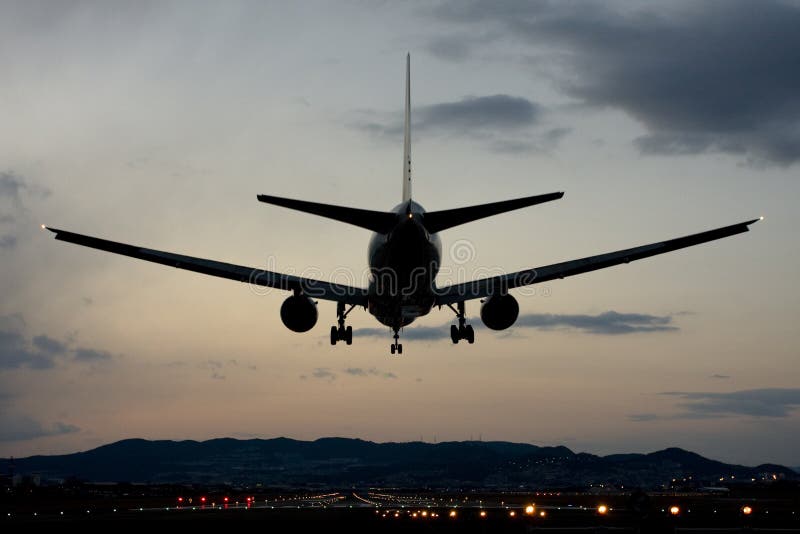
158,123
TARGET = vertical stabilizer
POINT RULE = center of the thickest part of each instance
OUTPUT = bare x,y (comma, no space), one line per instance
407,136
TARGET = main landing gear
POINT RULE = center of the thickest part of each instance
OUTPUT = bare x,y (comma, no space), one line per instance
340,332
463,330
396,347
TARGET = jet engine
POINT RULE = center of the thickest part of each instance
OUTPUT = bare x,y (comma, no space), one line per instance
499,312
299,313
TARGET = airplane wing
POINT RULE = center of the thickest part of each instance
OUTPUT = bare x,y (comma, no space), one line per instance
499,284
310,287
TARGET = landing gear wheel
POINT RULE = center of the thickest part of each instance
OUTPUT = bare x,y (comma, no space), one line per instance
340,332
393,348
399,348
462,330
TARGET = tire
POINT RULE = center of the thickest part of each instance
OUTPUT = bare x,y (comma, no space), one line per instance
399,348
348,335
454,334
334,335
470,334
392,349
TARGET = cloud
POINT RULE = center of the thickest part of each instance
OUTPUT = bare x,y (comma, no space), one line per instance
8,241
701,77
22,428
423,333
642,417
606,323
358,371
12,208
766,402
49,345
323,373
91,355
502,123
720,377
41,352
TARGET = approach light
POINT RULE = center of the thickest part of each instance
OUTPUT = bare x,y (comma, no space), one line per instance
674,510
542,513
453,513
602,509
746,510
483,513
530,509
512,513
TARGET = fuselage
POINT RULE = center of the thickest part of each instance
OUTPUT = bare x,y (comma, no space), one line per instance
403,266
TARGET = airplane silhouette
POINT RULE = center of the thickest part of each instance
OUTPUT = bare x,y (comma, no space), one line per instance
404,257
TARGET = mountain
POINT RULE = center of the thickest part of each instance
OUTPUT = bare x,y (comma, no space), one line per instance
344,462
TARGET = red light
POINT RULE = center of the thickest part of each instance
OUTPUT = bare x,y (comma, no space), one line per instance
225,499
202,499
180,499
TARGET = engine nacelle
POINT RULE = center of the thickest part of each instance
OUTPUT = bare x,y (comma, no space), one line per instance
299,313
499,312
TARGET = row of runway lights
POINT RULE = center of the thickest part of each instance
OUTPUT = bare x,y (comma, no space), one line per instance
530,510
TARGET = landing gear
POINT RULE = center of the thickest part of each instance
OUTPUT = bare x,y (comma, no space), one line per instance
463,330
396,347
342,332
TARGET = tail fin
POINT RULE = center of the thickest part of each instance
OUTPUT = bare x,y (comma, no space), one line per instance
407,136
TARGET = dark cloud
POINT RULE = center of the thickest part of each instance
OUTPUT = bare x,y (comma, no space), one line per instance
358,371
767,402
49,345
642,417
704,77
22,428
720,377
479,113
12,208
41,352
92,355
323,373
8,241
502,123
425,333
606,323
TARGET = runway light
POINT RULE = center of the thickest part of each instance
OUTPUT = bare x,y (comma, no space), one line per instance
530,509
746,510
512,513
424,513
202,499
453,513
225,499
602,509
542,513
483,513
180,499
674,510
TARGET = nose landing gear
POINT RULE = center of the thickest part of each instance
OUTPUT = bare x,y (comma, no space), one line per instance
396,347
463,330
342,332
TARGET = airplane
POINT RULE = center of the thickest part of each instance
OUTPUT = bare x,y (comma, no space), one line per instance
404,256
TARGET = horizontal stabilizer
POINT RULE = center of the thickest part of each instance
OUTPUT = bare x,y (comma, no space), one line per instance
377,221
436,221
